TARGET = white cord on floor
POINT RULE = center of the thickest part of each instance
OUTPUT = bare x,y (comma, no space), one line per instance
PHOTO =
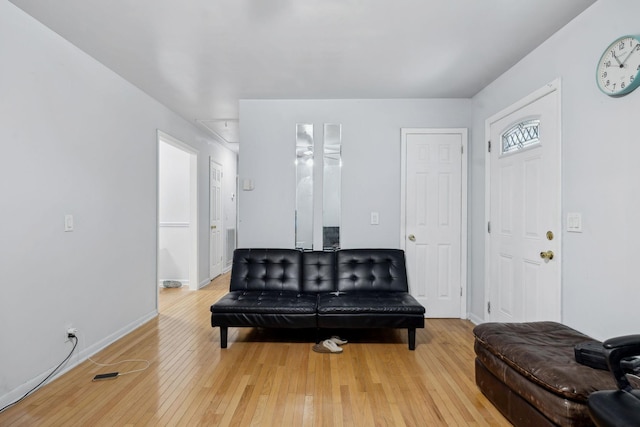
124,361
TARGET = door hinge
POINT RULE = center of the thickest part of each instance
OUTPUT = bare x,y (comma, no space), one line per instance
489,227
462,149
460,291
489,307
489,146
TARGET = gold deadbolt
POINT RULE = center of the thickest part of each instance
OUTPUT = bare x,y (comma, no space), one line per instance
548,255
213,227
549,235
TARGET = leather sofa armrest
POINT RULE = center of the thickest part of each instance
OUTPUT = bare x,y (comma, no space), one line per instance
617,349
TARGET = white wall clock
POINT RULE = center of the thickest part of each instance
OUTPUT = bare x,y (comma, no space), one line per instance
618,70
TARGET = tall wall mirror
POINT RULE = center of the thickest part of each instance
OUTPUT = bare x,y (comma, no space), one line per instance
332,183
304,186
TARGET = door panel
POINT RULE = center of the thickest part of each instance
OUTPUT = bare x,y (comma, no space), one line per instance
215,219
432,207
524,204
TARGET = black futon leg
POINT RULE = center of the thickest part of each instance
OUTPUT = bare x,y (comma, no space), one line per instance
317,335
223,336
412,338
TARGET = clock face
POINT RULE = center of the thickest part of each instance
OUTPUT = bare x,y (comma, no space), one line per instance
619,67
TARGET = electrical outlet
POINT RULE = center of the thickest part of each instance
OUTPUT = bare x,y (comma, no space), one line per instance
71,332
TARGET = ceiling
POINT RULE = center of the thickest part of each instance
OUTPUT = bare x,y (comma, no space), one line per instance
199,57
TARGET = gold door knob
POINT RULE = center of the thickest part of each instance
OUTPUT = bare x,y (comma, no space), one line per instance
412,237
213,227
548,255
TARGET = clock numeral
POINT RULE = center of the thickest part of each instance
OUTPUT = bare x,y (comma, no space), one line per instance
631,79
622,85
607,64
621,45
604,75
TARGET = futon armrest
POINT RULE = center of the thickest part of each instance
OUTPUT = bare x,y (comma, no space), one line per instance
617,349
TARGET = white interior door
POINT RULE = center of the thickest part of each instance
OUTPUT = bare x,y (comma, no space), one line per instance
433,205
215,217
524,227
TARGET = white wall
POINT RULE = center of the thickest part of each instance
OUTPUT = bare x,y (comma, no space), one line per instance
370,158
77,139
601,177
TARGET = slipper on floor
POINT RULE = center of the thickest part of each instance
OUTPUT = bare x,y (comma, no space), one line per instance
332,346
327,346
336,339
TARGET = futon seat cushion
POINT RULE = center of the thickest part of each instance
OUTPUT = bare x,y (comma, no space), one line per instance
369,302
266,302
271,309
369,310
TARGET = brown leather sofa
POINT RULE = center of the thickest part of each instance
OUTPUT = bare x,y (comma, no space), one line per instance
529,372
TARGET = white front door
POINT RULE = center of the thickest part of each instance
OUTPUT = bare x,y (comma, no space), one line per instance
433,212
215,216
524,228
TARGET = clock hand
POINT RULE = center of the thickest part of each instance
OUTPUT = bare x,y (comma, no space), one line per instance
613,53
628,55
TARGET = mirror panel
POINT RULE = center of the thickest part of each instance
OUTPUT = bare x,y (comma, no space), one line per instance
332,184
304,186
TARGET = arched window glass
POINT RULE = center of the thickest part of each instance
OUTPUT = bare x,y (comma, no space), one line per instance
522,135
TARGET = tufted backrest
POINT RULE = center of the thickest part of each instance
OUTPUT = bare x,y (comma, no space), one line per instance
266,269
364,270
318,271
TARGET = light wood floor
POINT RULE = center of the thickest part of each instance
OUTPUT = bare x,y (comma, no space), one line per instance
266,377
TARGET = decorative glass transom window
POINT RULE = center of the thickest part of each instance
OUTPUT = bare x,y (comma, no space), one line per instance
522,135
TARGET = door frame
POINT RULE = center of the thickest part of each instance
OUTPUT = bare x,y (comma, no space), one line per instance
163,137
463,202
553,86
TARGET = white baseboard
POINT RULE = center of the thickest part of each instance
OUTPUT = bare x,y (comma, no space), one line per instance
475,319
79,356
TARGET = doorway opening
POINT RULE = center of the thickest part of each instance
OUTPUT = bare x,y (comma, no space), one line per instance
177,251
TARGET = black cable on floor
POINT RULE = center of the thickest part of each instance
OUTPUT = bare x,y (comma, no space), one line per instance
75,344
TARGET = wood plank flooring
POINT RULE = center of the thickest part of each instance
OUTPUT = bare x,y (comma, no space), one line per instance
266,378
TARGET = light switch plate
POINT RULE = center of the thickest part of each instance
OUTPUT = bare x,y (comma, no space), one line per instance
574,222
375,218
247,185
68,222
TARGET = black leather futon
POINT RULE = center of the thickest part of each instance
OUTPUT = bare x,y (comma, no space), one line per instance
348,288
